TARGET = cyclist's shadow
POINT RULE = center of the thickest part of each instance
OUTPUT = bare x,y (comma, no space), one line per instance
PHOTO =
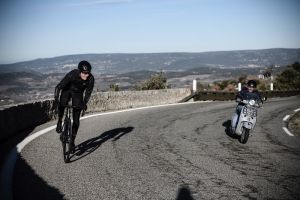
85,148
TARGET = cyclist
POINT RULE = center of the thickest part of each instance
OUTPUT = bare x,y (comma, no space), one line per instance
73,86
250,88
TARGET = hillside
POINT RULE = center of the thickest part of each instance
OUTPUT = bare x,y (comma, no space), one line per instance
35,80
124,63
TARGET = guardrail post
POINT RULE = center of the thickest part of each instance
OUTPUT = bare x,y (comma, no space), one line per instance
271,87
194,85
239,86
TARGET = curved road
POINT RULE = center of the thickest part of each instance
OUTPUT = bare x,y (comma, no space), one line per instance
173,152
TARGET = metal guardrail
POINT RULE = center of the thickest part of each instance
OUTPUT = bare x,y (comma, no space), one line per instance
289,93
225,96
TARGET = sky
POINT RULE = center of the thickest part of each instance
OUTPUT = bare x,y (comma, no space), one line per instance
35,29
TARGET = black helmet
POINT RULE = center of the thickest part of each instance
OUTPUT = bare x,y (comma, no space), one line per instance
251,83
84,66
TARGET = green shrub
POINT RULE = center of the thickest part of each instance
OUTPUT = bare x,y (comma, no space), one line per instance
114,87
156,82
262,87
290,78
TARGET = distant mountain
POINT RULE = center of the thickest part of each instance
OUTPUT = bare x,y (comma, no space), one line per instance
124,63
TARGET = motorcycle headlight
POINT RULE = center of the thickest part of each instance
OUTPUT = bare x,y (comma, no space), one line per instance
252,102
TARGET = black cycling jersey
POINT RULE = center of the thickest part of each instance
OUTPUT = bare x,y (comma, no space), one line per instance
73,86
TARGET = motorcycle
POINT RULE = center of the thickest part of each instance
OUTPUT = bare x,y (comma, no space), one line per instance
247,116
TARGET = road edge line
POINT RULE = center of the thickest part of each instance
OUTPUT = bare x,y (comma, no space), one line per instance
286,120
8,166
286,130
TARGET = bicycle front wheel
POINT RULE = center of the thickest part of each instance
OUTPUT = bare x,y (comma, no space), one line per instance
66,140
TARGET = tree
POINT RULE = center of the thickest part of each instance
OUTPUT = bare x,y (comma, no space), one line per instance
114,87
296,66
156,82
262,86
268,73
202,87
243,79
223,84
289,78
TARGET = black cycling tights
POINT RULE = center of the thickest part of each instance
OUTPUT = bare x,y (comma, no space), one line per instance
76,116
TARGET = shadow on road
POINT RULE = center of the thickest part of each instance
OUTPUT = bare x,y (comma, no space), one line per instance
184,193
90,145
7,145
29,185
227,125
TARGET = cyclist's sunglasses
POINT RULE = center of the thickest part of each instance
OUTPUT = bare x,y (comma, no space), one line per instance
85,72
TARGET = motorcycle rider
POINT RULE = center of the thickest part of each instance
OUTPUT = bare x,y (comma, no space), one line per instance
73,86
250,88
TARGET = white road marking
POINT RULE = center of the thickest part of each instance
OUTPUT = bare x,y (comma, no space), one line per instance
141,108
286,117
297,110
22,144
287,131
8,167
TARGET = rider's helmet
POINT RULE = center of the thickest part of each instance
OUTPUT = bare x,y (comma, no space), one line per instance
251,83
84,66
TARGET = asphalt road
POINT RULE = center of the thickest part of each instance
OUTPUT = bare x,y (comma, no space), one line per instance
174,152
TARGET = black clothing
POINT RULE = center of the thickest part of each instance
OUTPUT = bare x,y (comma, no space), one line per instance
244,94
84,66
76,117
72,86
77,99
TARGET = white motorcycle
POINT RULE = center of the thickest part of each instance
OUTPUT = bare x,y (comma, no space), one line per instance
247,117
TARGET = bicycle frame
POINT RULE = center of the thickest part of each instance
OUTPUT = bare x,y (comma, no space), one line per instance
66,134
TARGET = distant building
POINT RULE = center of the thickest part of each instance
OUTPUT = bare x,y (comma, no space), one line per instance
261,76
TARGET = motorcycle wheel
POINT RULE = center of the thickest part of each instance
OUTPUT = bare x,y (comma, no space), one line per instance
244,136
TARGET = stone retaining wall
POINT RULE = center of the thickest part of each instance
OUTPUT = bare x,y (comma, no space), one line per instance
104,101
20,117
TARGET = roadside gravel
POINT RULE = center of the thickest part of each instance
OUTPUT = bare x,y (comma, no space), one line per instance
294,123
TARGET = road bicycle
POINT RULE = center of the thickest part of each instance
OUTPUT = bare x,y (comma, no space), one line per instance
66,134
